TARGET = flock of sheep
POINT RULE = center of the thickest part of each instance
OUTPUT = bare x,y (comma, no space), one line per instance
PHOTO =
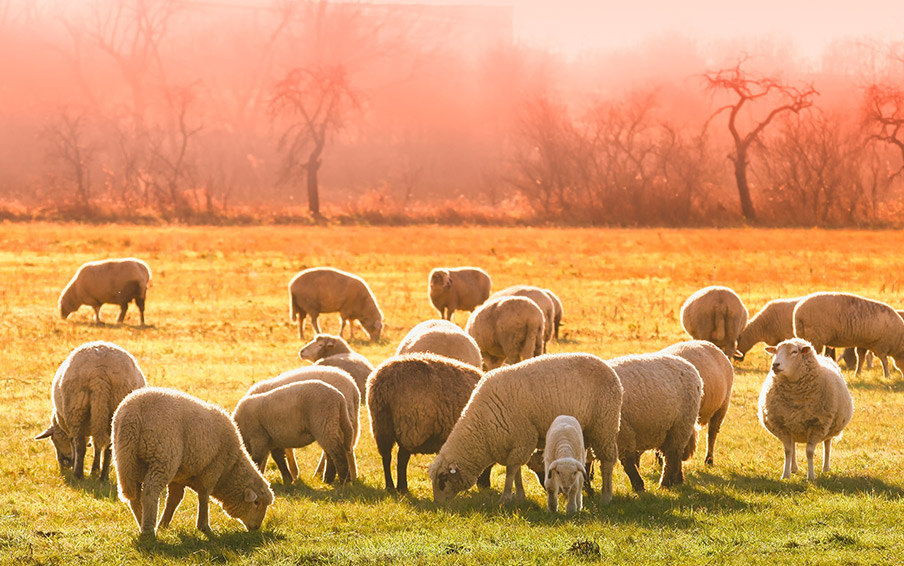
446,391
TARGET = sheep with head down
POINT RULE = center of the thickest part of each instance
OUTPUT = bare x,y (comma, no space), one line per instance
716,314
507,330
564,458
113,281
330,350
443,338
325,289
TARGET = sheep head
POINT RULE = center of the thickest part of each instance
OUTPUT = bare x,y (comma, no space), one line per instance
790,355
62,444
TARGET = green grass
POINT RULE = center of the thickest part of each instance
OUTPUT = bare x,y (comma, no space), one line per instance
218,316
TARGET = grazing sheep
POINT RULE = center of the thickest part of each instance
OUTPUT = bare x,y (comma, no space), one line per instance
717,374
457,288
556,312
443,338
773,324
324,289
293,416
716,314
508,329
540,297
166,439
112,281
842,320
659,410
564,458
329,350
87,388
334,376
414,401
510,411
804,399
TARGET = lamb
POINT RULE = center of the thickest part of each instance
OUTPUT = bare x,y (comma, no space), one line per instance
508,329
842,320
511,409
414,401
564,458
112,281
773,324
443,338
324,289
460,288
557,312
717,374
86,389
540,297
293,416
804,399
167,439
659,410
716,314
330,350
334,376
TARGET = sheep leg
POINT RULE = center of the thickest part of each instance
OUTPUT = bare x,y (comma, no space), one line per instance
629,462
811,449
122,312
174,494
826,452
510,472
316,325
105,468
154,482
95,463
79,447
484,479
386,457
139,302
519,485
329,471
279,456
713,428
96,313
203,508
293,465
552,499
672,473
342,328
320,471
402,469
790,457
574,499
884,360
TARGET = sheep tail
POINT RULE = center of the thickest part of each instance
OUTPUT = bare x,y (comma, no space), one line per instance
720,326
348,438
125,440
531,341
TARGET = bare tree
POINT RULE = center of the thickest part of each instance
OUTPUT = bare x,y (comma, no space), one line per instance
885,117
70,155
748,90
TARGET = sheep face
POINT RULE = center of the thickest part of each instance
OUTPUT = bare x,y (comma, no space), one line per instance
788,357
252,509
62,444
563,474
440,281
314,349
374,328
67,306
447,480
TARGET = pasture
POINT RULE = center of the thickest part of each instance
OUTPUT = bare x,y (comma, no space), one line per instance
217,311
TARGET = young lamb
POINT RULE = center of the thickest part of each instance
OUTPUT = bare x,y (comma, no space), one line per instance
460,288
324,289
717,374
716,314
540,297
443,338
414,401
86,389
508,329
510,411
113,281
293,416
166,439
564,458
330,350
773,324
804,399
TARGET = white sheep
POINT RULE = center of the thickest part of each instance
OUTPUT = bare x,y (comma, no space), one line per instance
459,288
112,281
293,416
716,314
842,320
323,290
541,298
330,350
804,399
166,439
508,329
564,458
659,411
717,373
86,389
510,411
414,401
774,323
443,338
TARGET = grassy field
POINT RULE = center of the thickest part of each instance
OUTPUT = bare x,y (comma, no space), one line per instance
218,322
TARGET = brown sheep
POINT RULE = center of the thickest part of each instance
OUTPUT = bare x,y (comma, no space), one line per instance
461,288
113,281
324,289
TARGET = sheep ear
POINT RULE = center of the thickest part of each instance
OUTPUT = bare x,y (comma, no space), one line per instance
584,472
806,349
47,433
250,495
771,350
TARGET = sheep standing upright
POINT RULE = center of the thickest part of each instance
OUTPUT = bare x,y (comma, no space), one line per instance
113,281
774,323
564,458
443,338
804,399
323,290
716,314
508,329
459,288
87,388
329,350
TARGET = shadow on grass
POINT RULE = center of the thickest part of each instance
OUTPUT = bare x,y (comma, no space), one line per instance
840,484
92,486
220,547
321,492
113,325
893,384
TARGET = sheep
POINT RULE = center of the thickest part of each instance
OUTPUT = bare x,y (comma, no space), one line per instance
86,389
511,409
564,458
717,374
843,320
508,329
804,399
443,338
334,376
324,289
659,410
112,281
459,288
540,297
164,438
293,416
330,350
557,312
716,314
773,324
414,401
